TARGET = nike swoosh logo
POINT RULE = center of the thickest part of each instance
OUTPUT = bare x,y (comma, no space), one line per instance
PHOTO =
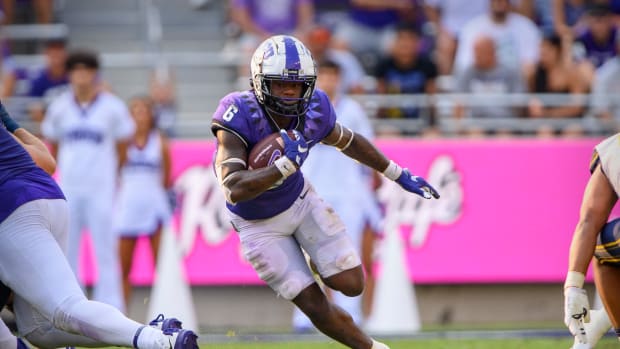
301,149
302,196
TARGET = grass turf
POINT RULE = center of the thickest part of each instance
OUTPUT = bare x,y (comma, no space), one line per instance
565,343
607,343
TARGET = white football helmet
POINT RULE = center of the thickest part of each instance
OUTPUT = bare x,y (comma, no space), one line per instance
284,58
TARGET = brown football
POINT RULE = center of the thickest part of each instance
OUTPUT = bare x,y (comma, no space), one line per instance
267,150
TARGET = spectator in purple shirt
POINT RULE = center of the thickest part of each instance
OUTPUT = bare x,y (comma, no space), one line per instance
597,44
371,26
49,81
54,73
259,19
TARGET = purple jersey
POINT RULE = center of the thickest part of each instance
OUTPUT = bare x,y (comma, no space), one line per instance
272,16
43,82
21,180
241,114
598,52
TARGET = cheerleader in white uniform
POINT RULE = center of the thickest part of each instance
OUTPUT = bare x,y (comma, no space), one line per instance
143,206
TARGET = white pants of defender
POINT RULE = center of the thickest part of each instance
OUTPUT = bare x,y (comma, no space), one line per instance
95,211
50,308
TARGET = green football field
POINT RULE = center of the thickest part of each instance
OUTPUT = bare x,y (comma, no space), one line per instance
564,343
526,343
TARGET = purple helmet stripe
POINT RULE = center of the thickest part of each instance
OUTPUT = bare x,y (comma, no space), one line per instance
292,56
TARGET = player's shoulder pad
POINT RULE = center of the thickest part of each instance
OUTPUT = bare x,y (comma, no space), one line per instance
320,105
321,112
233,114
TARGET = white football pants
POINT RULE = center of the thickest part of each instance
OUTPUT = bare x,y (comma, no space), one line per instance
50,307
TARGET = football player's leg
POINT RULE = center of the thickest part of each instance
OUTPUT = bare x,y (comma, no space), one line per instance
607,279
126,247
331,319
323,236
279,262
45,287
45,335
355,221
105,240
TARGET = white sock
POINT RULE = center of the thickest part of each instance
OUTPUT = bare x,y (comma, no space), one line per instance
378,345
152,338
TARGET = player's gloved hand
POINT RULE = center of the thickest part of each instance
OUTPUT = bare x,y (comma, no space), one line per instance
8,122
296,149
417,185
576,306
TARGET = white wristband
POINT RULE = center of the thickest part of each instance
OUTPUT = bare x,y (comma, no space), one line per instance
285,166
393,171
574,279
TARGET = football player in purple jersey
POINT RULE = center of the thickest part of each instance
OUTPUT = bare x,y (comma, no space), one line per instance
275,211
50,307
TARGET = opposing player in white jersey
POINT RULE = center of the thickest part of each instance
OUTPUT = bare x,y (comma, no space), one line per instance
275,211
89,130
346,184
143,205
50,307
595,236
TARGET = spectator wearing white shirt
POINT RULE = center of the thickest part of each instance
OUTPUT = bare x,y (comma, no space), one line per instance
605,89
516,37
486,76
89,131
352,74
448,18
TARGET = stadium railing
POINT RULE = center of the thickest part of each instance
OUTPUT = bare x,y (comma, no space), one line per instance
34,31
445,121
443,103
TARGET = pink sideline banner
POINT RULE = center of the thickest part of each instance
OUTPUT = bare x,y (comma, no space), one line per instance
507,212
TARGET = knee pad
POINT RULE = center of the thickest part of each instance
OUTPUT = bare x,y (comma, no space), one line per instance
269,266
337,256
286,276
292,285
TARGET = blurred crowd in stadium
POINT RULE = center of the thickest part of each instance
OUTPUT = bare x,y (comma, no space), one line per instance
475,68
487,48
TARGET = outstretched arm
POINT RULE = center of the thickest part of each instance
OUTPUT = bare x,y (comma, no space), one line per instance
362,150
598,200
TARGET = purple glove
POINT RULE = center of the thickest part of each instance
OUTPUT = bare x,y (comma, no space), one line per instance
417,185
296,149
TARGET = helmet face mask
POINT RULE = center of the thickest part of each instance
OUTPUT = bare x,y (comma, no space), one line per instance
283,58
